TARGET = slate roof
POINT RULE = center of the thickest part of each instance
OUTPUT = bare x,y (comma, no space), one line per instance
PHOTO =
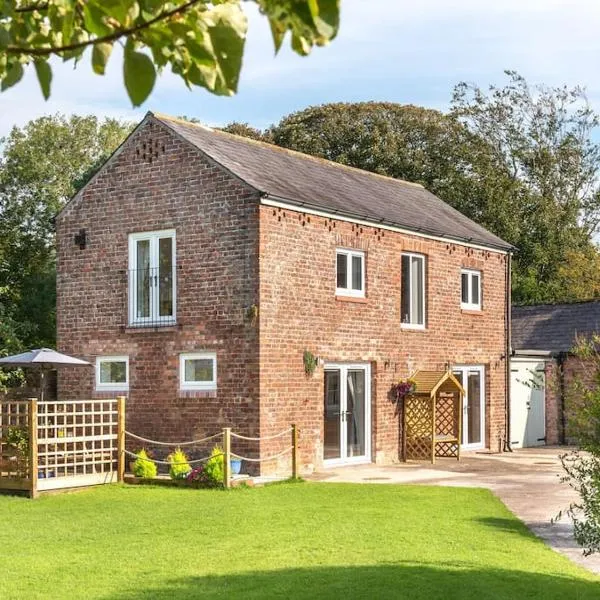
553,327
316,183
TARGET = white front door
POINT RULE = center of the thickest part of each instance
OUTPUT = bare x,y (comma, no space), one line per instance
527,403
347,414
472,379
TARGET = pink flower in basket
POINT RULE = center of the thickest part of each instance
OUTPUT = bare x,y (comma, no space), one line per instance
403,388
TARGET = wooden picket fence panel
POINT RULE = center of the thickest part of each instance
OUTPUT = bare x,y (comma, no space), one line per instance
72,443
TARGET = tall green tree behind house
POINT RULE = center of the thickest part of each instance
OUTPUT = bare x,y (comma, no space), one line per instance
520,161
41,167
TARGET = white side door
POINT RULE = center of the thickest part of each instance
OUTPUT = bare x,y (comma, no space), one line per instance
527,403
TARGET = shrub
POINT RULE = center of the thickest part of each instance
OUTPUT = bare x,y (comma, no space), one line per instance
143,466
213,468
178,464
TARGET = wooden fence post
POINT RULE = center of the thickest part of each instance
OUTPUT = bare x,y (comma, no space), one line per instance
227,457
33,448
294,451
120,438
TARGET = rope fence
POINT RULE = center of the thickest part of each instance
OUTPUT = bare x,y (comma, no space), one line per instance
227,453
173,444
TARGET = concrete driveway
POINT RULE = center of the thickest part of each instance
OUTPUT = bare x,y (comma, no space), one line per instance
527,481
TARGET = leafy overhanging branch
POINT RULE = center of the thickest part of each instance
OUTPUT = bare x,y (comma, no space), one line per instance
201,40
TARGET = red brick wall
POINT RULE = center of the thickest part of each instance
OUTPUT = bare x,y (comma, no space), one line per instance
299,311
553,403
216,222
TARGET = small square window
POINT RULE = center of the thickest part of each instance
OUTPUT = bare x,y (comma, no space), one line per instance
198,371
112,373
470,294
350,276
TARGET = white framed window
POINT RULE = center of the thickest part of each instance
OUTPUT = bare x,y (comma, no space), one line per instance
198,371
470,294
112,373
412,293
350,273
152,282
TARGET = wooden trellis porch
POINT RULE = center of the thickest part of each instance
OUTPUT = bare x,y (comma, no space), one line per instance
62,444
432,421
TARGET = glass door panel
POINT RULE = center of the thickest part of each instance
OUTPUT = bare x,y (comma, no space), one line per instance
332,438
142,279
354,415
474,411
165,277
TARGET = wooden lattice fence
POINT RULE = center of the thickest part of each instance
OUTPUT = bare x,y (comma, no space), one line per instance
60,444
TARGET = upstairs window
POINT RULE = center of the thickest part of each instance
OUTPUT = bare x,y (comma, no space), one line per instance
112,373
350,273
152,278
198,371
412,294
470,281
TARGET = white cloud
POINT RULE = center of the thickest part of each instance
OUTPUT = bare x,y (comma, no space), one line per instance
387,50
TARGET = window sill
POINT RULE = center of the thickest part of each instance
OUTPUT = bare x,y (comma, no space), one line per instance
471,311
356,299
416,328
150,328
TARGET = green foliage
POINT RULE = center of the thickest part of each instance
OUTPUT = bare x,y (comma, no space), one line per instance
310,362
18,438
245,130
178,464
582,466
522,161
213,469
42,165
202,41
143,466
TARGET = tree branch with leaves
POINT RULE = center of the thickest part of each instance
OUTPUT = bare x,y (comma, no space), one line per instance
202,41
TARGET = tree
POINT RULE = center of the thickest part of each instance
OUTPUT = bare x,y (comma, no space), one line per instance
582,466
521,162
42,166
202,41
544,163
246,130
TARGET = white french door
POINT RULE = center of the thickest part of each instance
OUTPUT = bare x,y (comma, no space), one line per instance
347,414
472,379
152,278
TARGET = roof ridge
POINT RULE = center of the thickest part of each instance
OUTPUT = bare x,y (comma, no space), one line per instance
569,303
275,147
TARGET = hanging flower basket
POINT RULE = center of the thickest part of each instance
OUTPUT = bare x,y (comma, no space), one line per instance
403,388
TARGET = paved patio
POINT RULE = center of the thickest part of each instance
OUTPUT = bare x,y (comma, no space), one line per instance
527,481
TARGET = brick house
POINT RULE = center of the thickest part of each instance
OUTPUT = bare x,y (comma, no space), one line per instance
543,369
196,269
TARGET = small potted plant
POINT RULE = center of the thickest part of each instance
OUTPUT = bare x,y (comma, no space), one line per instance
144,467
179,467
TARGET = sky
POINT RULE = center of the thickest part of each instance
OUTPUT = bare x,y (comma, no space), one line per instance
411,52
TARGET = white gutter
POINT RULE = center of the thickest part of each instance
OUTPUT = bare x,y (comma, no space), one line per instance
300,207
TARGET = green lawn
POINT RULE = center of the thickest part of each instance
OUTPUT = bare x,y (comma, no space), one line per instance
283,541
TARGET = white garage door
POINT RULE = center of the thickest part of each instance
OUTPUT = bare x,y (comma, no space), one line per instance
527,403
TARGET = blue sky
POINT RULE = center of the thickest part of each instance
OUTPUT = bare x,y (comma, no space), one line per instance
394,50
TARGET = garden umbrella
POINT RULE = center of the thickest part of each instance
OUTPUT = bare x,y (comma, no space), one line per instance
45,359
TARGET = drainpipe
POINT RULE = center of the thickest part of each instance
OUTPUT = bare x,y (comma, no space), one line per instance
560,363
507,354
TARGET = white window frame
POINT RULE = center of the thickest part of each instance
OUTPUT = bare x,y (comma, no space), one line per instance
197,385
154,317
112,386
470,305
423,259
348,291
